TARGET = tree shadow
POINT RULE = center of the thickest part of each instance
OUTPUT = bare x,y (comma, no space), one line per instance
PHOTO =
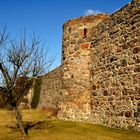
32,125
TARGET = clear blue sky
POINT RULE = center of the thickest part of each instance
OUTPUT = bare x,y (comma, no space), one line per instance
46,17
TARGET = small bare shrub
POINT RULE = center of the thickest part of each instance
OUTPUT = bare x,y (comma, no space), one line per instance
49,111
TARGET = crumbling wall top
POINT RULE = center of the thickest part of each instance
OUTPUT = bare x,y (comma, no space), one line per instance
85,19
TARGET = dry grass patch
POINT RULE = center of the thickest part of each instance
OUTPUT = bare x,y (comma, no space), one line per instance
53,129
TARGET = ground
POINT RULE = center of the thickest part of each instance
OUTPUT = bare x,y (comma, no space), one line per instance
54,129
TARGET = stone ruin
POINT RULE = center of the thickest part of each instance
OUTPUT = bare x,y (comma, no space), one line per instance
99,79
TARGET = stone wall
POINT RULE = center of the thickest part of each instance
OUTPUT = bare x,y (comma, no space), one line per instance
115,69
99,80
51,90
77,35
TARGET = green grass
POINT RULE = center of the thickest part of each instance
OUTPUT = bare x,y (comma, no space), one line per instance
60,130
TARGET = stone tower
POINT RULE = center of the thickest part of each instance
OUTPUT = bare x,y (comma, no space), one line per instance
77,40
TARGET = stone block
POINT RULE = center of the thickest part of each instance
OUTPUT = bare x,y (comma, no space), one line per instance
85,46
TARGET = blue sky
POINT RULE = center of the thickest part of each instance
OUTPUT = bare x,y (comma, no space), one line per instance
46,17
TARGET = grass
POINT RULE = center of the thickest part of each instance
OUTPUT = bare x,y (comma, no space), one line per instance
60,130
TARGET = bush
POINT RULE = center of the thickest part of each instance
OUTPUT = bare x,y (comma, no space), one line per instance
49,111
37,89
2,102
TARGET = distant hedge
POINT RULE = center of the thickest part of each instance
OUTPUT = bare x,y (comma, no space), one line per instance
36,96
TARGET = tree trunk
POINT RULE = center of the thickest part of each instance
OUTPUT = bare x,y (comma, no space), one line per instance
19,122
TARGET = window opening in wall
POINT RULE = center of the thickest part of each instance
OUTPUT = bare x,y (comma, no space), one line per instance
64,58
85,32
70,29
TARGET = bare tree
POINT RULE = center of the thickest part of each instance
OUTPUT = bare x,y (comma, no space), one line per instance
20,62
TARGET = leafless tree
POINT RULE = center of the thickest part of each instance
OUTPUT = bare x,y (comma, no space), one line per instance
20,62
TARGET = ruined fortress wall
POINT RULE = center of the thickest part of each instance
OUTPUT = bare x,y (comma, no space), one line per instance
51,94
115,69
77,35
99,79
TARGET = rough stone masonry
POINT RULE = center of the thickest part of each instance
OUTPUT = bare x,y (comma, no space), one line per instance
99,79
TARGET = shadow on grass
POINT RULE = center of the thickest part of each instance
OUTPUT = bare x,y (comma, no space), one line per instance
32,125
